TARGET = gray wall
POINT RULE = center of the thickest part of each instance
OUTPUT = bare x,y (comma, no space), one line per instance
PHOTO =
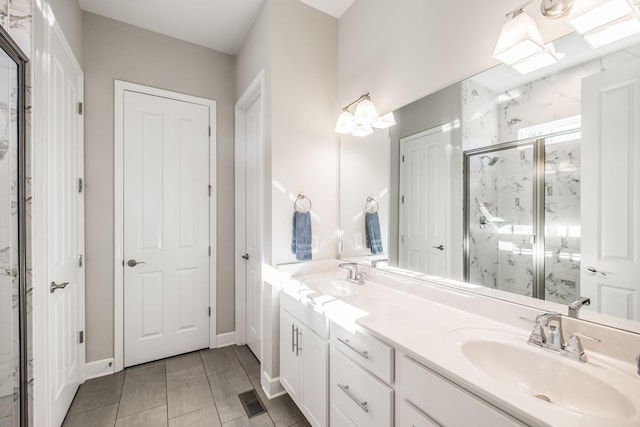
69,17
114,50
433,110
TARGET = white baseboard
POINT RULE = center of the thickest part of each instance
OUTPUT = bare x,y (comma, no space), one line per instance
271,386
224,340
98,368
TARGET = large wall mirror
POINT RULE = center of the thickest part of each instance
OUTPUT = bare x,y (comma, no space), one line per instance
13,349
524,187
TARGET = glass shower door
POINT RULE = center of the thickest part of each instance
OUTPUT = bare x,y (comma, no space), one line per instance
500,218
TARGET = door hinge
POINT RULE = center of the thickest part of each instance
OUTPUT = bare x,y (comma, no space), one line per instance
401,239
209,130
210,188
81,337
209,311
403,158
80,261
402,199
209,250
80,108
80,185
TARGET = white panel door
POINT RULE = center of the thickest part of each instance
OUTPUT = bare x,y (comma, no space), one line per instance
424,177
166,227
253,226
611,191
65,231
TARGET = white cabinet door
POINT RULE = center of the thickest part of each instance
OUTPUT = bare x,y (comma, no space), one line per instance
339,418
610,197
315,375
289,360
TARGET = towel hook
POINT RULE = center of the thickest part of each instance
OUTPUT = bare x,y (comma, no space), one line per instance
298,207
371,205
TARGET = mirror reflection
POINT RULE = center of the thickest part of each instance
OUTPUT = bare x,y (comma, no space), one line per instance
520,183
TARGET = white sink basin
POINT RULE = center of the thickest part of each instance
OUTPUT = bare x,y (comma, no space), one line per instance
333,284
569,385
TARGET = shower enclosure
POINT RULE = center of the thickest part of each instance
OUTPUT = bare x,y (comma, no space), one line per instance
522,217
13,341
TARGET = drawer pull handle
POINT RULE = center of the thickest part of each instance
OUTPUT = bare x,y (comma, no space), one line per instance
364,354
293,344
362,405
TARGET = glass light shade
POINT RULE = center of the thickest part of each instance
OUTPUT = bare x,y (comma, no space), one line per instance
587,15
345,123
385,121
362,130
365,113
539,60
617,30
518,39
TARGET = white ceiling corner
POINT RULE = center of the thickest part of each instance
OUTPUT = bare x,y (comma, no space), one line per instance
335,8
221,25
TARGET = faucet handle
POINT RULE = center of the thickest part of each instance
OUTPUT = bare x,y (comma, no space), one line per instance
638,363
574,348
537,337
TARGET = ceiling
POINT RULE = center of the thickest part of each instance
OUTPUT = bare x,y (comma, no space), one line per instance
221,25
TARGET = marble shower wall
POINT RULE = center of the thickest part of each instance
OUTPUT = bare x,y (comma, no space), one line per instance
562,221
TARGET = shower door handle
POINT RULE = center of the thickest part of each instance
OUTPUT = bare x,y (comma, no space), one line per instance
441,247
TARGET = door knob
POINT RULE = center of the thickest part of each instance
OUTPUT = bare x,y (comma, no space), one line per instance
132,262
592,271
245,257
54,286
441,247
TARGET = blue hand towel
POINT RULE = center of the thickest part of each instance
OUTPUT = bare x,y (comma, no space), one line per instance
301,236
372,233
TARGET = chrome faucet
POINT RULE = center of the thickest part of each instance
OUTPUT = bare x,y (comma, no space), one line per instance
575,306
353,274
553,339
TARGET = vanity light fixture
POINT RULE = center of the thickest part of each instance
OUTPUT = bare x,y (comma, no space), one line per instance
601,22
520,44
364,119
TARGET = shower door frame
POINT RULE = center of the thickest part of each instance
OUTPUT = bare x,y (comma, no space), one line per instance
11,48
538,211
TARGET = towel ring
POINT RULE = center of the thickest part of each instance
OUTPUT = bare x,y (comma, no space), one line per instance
299,207
372,205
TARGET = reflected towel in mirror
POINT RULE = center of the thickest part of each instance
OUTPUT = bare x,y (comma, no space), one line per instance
301,236
372,233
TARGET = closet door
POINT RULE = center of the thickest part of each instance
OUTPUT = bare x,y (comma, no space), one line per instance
611,191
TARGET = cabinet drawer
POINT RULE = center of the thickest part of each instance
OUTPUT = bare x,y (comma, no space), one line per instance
365,399
445,402
410,416
366,350
339,418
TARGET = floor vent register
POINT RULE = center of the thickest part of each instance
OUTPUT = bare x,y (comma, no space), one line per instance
251,403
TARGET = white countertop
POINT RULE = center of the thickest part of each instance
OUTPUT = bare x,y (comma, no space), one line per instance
426,330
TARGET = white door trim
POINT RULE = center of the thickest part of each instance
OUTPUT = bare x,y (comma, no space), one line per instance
45,26
253,92
118,177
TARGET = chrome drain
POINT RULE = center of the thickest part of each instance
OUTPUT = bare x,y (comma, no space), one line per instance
543,397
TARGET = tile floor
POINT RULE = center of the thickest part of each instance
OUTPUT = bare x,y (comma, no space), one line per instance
194,389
